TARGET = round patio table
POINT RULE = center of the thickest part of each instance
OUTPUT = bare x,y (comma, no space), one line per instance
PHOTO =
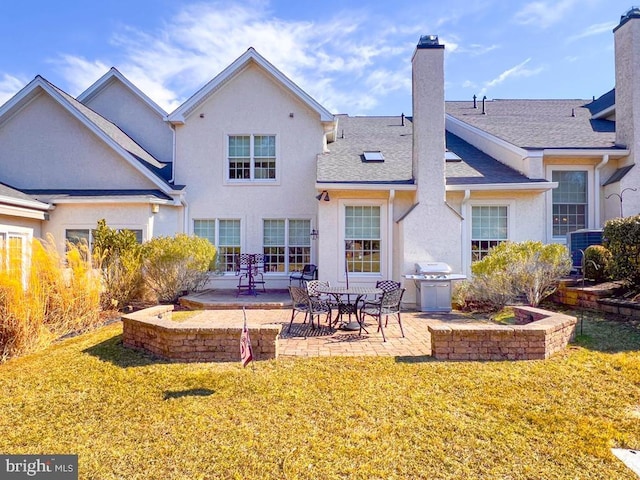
349,307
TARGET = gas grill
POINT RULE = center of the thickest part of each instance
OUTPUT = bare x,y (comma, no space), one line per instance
433,284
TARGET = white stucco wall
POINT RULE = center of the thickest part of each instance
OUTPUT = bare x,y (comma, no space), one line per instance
45,147
135,117
250,103
136,216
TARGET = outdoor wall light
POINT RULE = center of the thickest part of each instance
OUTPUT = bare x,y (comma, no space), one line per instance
324,194
314,234
155,208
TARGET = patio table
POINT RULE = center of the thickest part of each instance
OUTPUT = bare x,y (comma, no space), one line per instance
350,307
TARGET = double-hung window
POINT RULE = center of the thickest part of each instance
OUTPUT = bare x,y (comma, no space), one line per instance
570,201
80,236
362,238
252,157
489,227
225,235
286,244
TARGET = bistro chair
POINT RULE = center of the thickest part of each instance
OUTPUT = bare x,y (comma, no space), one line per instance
311,307
389,304
309,272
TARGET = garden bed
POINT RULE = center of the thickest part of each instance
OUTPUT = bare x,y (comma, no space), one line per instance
195,339
538,334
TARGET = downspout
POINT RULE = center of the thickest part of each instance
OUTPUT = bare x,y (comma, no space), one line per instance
185,206
173,154
390,222
596,192
465,254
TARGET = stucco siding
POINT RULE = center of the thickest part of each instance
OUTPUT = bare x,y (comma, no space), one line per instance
135,117
251,103
45,147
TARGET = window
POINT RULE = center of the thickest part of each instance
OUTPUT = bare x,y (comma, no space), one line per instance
252,157
286,244
362,238
78,236
489,227
569,210
227,242
14,257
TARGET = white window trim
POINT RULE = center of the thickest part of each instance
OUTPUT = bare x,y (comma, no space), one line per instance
252,180
384,240
287,245
217,233
511,218
94,226
27,235
590,199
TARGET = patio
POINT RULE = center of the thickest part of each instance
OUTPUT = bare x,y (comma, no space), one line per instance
274,307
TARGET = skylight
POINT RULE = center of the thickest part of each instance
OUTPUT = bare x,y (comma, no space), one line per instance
451,157
373,156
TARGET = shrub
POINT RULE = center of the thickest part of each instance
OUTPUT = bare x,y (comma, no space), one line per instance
172,265
118,255
622,238
510,270
62,296
596,263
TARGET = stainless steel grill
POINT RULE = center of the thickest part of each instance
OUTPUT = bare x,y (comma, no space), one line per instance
433,284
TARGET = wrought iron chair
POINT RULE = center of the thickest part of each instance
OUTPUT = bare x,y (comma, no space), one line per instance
309,272
389,304
311,307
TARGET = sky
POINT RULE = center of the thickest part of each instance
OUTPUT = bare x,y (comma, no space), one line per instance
352,56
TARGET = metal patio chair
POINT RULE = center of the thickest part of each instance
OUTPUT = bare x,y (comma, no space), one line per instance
311,307
309,272
389,304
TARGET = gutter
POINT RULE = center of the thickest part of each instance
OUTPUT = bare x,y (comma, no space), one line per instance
596,190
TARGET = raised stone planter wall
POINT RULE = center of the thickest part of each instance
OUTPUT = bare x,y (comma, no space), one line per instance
599,298
538,335
154,331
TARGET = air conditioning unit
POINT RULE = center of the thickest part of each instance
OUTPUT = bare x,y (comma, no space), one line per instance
579,240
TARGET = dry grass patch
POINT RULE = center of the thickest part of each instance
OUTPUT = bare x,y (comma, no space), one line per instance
128,415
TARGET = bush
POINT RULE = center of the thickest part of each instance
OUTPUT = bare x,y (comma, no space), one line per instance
622,238
118,255
596,263
511,270
172,265
59,299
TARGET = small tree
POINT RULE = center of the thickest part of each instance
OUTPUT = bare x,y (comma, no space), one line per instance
118,255
172,265
511,269
597,263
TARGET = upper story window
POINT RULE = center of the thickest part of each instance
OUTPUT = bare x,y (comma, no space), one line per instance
252,157
570,201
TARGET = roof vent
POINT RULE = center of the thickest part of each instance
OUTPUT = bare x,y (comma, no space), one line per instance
373,156
429,41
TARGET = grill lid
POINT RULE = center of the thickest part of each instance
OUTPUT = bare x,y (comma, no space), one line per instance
432,268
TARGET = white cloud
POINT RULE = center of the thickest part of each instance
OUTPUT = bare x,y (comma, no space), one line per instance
592,30
513,72
544,14
9,86
169,65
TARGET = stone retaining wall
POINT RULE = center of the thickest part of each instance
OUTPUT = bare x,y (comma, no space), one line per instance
538,335
154,331
600,297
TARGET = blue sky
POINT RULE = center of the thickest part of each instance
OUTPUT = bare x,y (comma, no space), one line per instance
353,57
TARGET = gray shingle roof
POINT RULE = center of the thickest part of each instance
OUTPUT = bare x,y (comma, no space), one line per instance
603,102
538,124
477,168
10,192
52,194
344,163
160,169
359,134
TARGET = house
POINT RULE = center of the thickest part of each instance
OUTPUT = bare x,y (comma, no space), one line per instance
256,165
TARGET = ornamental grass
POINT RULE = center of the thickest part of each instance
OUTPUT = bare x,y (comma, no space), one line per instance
132,416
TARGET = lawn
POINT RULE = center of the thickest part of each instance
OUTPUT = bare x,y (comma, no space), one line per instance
130,416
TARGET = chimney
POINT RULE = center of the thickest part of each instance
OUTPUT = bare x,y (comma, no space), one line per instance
428,120
627,65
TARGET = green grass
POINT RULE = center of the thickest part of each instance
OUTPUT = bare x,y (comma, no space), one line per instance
130,416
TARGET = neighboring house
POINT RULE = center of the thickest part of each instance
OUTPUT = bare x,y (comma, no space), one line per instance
254,164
